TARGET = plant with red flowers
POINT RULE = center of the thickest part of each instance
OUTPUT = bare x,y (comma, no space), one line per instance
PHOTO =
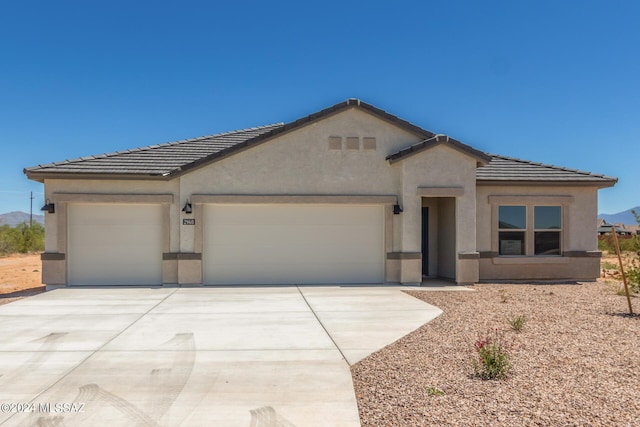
493,360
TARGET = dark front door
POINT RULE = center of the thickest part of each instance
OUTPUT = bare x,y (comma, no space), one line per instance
425,241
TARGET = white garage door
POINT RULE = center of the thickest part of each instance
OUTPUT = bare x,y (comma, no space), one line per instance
293,244
114,244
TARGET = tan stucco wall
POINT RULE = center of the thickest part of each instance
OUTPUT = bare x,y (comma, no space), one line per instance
580,210
468,271
61,191
440,166
301,162
54,272
587,268
411,271
581,227
393,270
170,271
190,272
141,187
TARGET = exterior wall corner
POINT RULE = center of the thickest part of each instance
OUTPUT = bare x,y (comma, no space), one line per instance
190,271
54,272
468,269
411,270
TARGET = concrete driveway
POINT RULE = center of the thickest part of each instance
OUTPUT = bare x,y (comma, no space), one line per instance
249,356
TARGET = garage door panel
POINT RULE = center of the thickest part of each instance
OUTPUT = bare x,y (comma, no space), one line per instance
273,255
296,236
108,238
295,273
293,244
111,244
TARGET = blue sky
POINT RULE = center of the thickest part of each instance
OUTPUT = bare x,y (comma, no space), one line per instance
550,81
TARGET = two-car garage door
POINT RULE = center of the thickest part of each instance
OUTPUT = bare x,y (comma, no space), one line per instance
293,244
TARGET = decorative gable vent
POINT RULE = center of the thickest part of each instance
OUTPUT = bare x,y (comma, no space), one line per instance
335,143
369,143
352,143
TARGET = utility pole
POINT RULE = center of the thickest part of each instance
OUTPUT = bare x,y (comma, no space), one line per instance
31,212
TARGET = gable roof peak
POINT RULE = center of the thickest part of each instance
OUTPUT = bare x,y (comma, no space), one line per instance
437,139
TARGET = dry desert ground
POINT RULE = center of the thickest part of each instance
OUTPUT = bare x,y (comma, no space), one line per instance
576,362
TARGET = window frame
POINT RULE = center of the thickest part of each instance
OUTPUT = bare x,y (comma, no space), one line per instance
530,201
525,238
548,230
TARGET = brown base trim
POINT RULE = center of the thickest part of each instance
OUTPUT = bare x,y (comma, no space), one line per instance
52,256
567,254
469,255
583,254
576,282
488,254
404,255
170,256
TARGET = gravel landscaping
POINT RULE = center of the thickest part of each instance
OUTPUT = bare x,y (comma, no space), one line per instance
576,362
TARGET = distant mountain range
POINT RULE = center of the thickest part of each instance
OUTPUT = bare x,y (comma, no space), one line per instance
14,218
625,217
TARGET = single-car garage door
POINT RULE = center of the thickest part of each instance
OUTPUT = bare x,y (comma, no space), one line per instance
293,244
114,244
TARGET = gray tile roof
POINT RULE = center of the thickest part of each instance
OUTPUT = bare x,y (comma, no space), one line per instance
434,140
503,169
173,158
156,160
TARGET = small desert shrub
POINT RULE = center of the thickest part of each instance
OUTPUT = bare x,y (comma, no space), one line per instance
631,264
434,391
626,243
633,275
492,360
609,265
504,297
517,322
605,243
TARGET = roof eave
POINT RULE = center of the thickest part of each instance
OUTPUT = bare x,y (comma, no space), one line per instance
602,183
482,159
41,176
390,118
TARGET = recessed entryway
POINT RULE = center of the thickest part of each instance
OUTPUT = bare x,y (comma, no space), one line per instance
439,237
